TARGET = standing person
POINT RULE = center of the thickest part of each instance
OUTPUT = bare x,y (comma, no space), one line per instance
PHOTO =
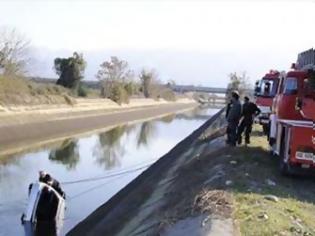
249,111
47,179
228,107
233,117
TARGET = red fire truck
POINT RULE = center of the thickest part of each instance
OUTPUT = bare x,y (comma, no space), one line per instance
292,121
265,91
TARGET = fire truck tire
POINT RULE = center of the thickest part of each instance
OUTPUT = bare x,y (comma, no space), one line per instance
284,167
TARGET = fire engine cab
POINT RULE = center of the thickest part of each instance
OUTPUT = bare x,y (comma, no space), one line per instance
265,91
292,132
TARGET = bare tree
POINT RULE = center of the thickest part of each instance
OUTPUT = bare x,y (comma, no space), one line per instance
111,72
238,83
148,78
14,52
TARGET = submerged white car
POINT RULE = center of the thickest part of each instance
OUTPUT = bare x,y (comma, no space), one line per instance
45,204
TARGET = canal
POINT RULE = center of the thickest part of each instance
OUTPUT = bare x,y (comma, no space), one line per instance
93,168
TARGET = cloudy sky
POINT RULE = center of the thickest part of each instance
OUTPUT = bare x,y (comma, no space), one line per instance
191,42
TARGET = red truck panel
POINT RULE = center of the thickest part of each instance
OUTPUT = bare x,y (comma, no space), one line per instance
263,101
302,145
308,108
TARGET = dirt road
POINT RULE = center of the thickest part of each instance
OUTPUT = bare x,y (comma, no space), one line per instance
17,137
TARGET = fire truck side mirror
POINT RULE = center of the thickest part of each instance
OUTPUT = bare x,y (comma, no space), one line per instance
298,104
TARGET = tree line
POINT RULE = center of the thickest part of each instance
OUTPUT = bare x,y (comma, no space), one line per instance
118,81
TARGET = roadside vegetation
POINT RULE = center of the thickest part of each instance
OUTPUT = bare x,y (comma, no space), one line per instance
241,185
14,52
263,201
240,83
267,203
20,91
70,71
117,81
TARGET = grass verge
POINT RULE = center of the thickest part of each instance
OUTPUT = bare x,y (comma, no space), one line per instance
267,203
243,183
20,91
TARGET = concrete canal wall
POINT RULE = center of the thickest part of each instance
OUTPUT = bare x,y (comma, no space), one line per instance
30,129
136,208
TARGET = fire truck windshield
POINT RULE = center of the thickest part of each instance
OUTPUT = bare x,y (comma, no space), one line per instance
267,87
290,86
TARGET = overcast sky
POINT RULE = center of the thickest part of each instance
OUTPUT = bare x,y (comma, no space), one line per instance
191,42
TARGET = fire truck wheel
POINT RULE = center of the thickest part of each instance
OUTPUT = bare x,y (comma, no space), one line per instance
284,166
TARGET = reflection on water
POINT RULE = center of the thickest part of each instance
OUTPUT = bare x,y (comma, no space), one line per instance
169,118
109,148
146,133
102,154
67,154
47,229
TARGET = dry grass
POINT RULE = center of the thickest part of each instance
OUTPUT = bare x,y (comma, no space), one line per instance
216,202
19,91
292,214
233,182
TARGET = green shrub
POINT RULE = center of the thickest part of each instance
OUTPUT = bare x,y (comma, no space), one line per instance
82,91
119,94
158,91
168,94
130,88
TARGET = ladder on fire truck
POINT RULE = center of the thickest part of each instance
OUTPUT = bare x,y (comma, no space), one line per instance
306,59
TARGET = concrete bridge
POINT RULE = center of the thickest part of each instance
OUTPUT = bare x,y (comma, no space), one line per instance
192,88
177,88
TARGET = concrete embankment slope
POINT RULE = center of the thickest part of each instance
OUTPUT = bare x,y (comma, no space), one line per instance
21,129
203,187
143,206
20,114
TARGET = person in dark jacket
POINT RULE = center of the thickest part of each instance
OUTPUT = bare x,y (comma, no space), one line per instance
249,111
228,107
47,179
233,117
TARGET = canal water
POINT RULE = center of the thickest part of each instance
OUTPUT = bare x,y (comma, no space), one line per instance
91,169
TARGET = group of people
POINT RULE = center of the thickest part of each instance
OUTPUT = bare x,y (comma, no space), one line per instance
240,119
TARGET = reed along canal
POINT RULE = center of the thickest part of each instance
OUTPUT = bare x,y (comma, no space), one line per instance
91,169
